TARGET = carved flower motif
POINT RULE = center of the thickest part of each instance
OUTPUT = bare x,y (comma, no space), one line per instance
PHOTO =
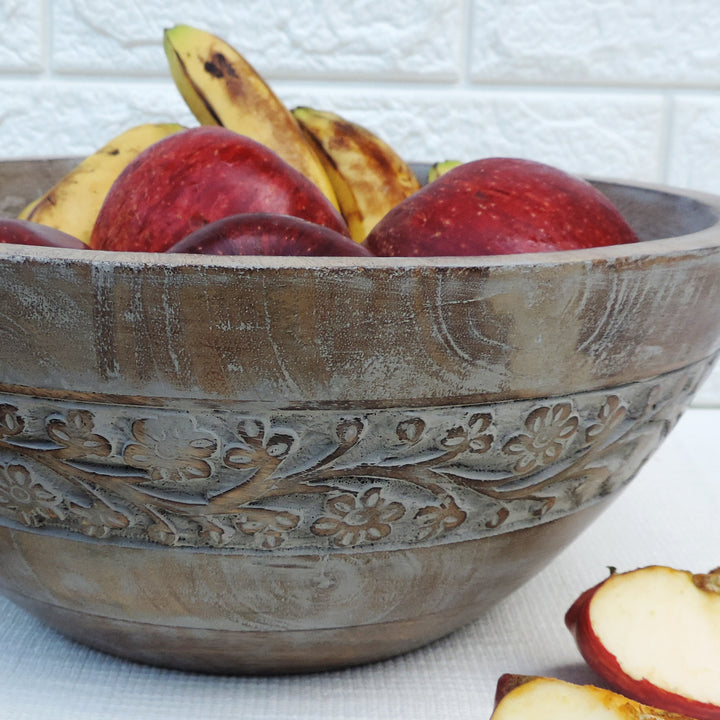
473,438
169,454
611,414
75,435
480,441
30,499
549,429
352,520
258,446
269,530
436,520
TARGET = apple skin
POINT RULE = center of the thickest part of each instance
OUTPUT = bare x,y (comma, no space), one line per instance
607,666
267,234
196,176
26,232
498,206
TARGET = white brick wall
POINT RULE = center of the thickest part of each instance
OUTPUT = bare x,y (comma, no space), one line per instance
625,88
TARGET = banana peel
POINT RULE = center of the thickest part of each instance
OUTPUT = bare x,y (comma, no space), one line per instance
438,169
368,176
221,88
73,203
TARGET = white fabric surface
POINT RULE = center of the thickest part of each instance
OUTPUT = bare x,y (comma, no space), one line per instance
668,515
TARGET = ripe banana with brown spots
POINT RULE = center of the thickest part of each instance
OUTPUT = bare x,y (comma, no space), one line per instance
73,203
221,88
368,176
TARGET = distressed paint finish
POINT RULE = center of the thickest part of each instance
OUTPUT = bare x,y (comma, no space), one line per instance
278,464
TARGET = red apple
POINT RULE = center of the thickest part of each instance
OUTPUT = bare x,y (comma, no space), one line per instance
267,234
521,697
654,635
25,232
497,206
197,176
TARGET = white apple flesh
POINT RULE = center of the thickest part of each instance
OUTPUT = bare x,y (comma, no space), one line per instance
541,698
654,635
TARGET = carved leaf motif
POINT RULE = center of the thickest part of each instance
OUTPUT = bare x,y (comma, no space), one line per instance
251,431
349,431
11,424
162,531
98,520
436,520
410,431
502,515
278,446
454,437
214,531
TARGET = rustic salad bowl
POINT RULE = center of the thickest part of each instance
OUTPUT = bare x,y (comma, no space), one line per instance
266,465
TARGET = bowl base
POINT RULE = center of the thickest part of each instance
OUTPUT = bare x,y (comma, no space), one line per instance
231,652
233,614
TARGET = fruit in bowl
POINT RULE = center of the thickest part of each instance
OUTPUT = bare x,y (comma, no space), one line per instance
497,206
267,234
24,232
264,464
197,176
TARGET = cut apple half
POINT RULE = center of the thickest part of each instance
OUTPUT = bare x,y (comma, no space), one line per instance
653,634
520,697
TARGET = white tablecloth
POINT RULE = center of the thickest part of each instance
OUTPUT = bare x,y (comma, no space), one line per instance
670,515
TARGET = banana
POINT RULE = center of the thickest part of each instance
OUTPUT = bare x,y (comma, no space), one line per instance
221,88
24,214
440,168
368,176
73,203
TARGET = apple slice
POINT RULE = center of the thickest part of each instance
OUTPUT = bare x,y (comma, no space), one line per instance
654,635
519,697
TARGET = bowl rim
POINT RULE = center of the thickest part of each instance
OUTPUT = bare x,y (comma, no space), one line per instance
706,239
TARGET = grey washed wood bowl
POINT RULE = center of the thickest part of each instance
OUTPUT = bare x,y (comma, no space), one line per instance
266,465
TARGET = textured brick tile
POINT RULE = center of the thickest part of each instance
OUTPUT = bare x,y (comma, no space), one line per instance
592,133
644,41
395,38
20,35
54,119
694,152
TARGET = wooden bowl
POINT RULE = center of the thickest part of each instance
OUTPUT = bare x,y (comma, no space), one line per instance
246,465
